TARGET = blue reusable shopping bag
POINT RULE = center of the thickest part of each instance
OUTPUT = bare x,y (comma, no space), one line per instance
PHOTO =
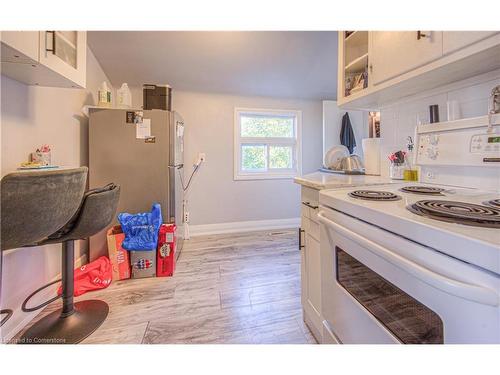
141,230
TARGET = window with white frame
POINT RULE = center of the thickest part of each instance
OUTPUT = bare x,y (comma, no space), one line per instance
266,143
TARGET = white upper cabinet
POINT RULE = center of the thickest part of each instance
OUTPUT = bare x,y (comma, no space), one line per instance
395,53
45,58
65,52
404,63
26,44
454,40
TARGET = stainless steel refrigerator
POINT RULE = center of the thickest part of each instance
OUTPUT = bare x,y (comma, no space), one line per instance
147,163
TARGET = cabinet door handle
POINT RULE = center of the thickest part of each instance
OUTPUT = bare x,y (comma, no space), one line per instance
421,35
300,238
459,288
310,205
176,166
53,49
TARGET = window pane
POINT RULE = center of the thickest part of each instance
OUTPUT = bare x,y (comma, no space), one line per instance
266,126
253,157
66,46
280,157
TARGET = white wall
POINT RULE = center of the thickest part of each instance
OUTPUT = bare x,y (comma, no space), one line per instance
215,197
32,116
398,121
332,125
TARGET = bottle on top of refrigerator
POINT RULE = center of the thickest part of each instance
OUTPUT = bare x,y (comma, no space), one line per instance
124,97
104,95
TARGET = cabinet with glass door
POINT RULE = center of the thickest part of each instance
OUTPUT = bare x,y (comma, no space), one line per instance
45,58
65,53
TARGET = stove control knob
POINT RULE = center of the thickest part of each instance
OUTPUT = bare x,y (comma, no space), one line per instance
432,153
434,139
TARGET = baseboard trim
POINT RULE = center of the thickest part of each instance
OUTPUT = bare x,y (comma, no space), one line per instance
7,332
243,226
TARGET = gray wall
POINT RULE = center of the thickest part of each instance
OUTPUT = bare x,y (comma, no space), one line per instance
214,196
32,116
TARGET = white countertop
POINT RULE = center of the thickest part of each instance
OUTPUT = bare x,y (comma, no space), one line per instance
58,168
323,180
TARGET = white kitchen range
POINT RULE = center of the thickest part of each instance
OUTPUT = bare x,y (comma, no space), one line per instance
418,262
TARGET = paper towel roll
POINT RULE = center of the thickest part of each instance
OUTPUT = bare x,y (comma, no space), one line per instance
371,152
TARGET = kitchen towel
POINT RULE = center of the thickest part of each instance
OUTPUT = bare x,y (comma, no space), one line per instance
371,152
346,133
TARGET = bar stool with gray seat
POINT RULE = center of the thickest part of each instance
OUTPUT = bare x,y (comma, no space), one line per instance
31,207
72,323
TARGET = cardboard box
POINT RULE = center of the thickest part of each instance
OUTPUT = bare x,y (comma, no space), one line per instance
143,263
118,256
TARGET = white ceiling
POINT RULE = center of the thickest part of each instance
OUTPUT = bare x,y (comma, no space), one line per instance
300,64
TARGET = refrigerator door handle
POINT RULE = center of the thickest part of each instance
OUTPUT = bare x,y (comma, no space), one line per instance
178,166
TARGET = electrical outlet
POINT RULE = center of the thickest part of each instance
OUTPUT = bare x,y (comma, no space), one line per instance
200,159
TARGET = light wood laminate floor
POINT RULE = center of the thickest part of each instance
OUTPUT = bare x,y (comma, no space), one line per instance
227,289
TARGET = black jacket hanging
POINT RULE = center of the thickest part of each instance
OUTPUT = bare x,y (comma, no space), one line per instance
346,133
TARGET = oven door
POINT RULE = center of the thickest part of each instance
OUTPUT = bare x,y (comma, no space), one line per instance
378,287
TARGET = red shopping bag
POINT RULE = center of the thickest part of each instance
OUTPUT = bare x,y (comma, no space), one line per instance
92,276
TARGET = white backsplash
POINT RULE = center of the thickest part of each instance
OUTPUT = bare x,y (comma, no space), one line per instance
398,121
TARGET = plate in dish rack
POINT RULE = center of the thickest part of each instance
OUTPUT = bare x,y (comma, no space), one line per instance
333,156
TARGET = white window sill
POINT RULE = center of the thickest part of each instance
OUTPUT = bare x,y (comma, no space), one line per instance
265,176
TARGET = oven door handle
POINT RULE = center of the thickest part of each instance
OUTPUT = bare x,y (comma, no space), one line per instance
457,288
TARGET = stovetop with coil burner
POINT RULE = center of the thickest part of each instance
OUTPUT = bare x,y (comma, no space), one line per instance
481,215
374,195
423,190
457,212
493,202
461,222
379,195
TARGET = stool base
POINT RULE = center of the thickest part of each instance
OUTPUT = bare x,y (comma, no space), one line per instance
54,329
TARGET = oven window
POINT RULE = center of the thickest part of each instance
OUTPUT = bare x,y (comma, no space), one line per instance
408,319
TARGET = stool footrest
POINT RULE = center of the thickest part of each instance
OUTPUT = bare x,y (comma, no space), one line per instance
8,313
30,309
